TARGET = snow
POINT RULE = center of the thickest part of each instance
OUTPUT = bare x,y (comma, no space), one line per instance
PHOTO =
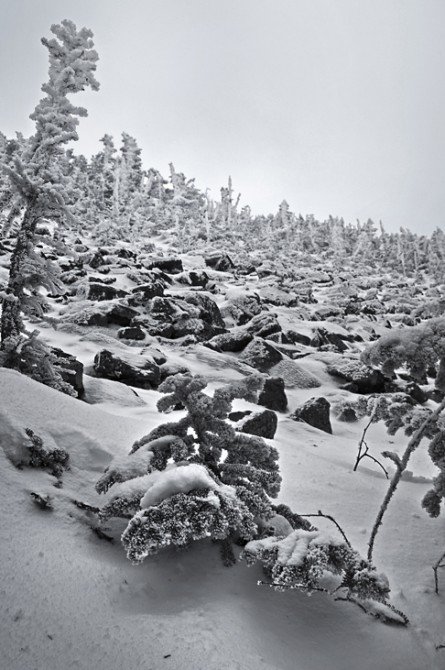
176,479
69,600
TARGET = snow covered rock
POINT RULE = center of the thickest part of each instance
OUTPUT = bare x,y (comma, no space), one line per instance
132,370
131,333
261,355
99,291
141,294
362,378
315,412
263,325
294,375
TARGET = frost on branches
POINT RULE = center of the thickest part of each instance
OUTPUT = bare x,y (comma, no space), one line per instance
196,477
38,176
311,560
417,347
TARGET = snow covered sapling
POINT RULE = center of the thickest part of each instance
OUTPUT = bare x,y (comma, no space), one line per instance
38,176
398,411
194,478
418,347
311,560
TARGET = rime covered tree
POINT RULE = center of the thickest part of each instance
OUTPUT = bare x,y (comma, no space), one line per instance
196,477
38,176
417,347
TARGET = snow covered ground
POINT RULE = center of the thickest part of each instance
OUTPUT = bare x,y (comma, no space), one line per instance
71,600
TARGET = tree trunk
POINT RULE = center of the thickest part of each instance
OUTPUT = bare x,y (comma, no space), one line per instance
11,321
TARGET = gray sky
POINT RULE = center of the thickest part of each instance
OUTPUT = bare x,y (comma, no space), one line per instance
338,106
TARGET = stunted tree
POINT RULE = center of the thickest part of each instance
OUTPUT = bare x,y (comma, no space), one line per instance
417,347
39,178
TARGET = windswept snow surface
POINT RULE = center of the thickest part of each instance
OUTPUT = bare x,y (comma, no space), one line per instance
69,600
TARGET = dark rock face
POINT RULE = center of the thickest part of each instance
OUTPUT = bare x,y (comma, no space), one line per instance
220,262
141,294
193,278
235,340
315,412
416,392
263,424
347,415
244,307
190,314
170,265
263,325
261,355
100,291
120,314
131,333
297,338
96,260
208,309
134,370
273,395
322,337
70,369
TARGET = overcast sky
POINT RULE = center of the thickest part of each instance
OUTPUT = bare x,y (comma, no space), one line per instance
338,106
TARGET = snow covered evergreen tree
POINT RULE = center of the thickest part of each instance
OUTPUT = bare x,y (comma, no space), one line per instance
38,177
194,478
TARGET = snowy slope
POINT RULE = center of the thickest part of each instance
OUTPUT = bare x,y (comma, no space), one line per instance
70,600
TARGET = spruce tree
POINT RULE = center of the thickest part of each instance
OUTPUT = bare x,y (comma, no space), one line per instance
38,177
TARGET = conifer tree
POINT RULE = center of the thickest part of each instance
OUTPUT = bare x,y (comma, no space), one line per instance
38,177
196,477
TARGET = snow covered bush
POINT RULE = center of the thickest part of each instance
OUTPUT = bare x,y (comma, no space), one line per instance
196,477
417,347
53,460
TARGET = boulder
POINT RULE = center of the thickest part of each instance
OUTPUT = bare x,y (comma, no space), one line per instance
416,393
314,412
69,368
208,309
141,294
220,262
263,325
100,291
263,424
294,375
131,333
120,314
361,378
235,340
188,314
273,395
193,278
261,355
243,307
131,370
323,337
169,265
297,338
